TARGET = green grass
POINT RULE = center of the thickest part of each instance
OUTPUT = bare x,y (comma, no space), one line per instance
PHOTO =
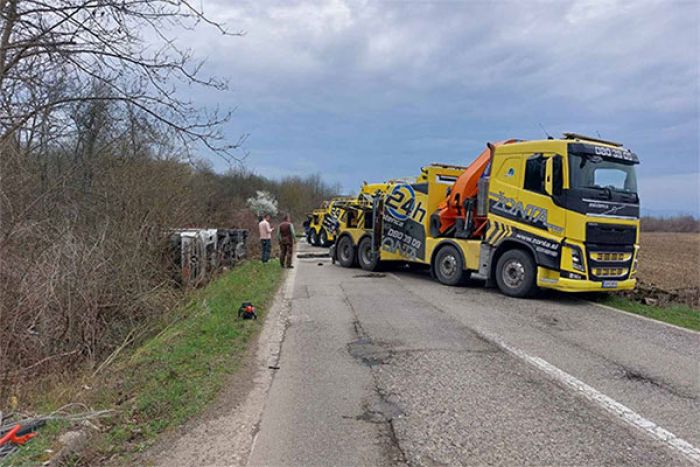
680,315
176,374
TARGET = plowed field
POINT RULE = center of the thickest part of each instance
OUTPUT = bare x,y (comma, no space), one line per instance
670,260
669,268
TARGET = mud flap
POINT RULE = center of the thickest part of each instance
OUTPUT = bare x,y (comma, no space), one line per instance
485,257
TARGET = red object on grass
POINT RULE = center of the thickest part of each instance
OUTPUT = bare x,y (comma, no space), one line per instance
11,437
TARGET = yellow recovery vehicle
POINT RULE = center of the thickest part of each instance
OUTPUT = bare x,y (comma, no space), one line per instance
556,213
323,223
355,216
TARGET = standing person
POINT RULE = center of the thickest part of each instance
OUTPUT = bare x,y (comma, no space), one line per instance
265,237
285,235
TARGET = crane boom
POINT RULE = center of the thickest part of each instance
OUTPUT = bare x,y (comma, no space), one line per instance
464,188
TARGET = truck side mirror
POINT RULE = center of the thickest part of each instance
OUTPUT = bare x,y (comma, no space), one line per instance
548,176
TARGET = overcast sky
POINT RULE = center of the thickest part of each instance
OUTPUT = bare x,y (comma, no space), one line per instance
362,90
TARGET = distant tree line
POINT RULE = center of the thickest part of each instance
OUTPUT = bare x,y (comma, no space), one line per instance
670,224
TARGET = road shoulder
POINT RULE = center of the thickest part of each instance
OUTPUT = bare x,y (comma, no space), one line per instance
224,434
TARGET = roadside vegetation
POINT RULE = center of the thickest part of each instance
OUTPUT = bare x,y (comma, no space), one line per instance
168,378
98,158
101,152
677,314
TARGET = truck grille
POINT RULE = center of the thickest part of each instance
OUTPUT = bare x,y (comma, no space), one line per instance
606,264
610,256
608,273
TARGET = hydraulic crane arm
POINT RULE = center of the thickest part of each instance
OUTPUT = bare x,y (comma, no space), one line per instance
466,187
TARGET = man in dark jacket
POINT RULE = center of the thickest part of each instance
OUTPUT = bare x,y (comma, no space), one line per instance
285,235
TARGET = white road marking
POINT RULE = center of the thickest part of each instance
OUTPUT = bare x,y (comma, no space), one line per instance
634,315
610,405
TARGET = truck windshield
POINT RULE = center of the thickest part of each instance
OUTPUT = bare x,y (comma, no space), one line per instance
598,173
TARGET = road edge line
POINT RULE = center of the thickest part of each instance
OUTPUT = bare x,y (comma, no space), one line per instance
608,404
645,318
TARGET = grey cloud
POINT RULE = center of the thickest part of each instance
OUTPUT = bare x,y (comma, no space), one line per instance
391,80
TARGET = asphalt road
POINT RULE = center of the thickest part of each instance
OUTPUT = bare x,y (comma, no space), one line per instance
395,368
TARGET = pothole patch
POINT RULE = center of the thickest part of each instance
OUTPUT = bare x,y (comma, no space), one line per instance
639,377
382,411
367,352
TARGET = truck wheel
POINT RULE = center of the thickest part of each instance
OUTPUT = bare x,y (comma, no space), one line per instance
516,274
345,252
313,239
323,238
448,266
364,255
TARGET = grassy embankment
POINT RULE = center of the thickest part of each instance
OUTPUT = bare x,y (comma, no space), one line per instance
677,314
172,376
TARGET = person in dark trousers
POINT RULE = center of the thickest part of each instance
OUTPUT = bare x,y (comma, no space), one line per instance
265,237
285,235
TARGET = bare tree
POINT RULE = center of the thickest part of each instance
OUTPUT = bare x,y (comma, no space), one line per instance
55,53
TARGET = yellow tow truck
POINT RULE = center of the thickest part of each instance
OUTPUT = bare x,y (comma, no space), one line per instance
556,213
323,222
355,219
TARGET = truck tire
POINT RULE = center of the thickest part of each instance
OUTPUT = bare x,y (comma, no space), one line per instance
448,266
516,274
313,238
364,255
323,238
345,252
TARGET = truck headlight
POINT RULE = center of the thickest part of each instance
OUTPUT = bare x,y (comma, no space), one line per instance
576,258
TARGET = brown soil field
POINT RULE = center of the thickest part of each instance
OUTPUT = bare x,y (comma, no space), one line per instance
669,269
670,260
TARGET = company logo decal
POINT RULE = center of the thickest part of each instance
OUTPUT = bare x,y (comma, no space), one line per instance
531,214
403,231
401,204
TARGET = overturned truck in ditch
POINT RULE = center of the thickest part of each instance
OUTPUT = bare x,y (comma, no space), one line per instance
195,254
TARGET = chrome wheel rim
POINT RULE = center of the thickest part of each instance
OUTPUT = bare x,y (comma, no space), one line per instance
513,274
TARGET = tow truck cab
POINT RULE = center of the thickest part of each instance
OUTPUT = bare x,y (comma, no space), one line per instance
573,204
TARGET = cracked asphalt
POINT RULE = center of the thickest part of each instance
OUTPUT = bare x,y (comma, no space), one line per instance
396,369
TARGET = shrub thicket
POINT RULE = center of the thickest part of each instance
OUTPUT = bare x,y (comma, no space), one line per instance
670,224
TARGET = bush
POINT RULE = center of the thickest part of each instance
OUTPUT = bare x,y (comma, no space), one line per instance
670,224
